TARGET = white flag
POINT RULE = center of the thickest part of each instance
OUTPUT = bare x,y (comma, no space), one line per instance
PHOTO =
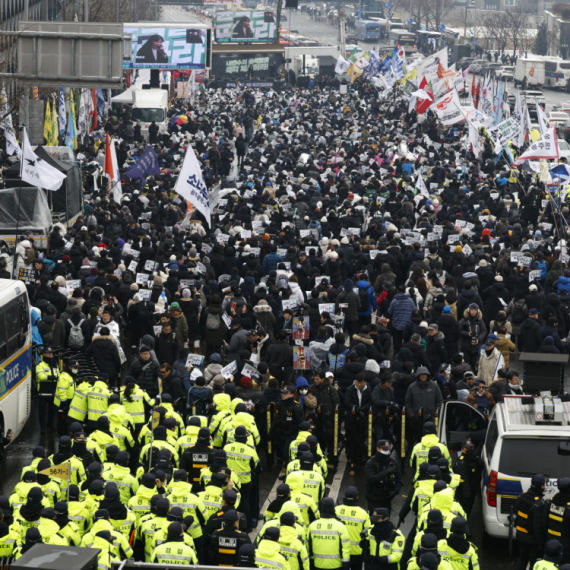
542,120
342,65
191,186
545,147
82,117
447,108
421,186
12,145
519,141
62,114
36,171
116,187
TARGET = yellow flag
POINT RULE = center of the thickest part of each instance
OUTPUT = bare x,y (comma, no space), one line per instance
354,72
54,127
258,121
47,123
60,471
412,75
155,419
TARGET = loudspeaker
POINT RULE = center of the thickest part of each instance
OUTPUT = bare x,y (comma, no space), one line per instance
291,3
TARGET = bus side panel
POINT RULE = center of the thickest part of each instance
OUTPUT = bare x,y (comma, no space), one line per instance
15,390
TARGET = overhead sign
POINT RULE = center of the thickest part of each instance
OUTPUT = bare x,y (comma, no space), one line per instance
246,26
75,54
171,46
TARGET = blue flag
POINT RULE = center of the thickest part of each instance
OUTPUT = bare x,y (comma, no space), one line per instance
100,103
71,131
61,115
146,164
373,66
498,104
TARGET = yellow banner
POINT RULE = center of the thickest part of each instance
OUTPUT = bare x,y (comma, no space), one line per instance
60,471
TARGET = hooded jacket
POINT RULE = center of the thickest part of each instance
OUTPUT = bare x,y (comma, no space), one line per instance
106,354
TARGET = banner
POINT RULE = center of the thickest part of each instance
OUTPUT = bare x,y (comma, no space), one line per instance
62,115
545,147
191,186
12,145
447,109
429,67
423,104
61,471
341,66
146,164
504,132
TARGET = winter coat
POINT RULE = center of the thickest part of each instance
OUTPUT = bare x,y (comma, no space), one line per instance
353,302
346,375
451,333
146,374
436,352
529,338
372,304
489,365
50,325
492,300
419,356
351,399
105,354
401,309
505,346
215,337
478,330
238,342
466,298
424,395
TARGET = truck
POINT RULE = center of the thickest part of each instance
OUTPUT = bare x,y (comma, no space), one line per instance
305,65
324,58
529,72
150,105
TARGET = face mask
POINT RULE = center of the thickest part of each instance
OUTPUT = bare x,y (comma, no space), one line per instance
386,451
304,391
75,370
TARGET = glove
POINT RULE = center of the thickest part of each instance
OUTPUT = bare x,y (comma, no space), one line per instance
383,560
363,533
346,565
392,469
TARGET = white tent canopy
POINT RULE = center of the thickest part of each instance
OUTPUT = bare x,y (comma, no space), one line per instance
142,78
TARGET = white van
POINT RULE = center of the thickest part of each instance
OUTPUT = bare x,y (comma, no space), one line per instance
522,436
150,105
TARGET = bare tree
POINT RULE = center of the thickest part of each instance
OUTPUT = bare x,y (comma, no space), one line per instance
497,24
112,11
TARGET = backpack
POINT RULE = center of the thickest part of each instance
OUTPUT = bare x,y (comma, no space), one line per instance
213,322
29,255
48,337
364,297
519,314
76,338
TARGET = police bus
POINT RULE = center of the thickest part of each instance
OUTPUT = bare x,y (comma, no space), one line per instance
15,357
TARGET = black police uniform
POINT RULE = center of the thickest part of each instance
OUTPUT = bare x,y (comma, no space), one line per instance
468,466
383,480
196,458
557,517
226,542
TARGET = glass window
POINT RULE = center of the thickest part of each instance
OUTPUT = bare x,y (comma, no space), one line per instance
492,436
550,66
147,115
564,65
24,319
516,462
12,328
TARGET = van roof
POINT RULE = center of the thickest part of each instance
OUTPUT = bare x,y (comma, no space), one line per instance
520,417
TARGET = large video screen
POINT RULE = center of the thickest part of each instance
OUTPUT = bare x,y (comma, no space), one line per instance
167,48
246,26
247,66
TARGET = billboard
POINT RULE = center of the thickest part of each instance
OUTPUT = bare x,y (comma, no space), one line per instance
246,26
246,66
167,47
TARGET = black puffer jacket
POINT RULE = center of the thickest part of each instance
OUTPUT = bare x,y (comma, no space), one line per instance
146,375
106,355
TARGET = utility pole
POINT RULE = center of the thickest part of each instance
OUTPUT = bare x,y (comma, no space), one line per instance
341,31
465,26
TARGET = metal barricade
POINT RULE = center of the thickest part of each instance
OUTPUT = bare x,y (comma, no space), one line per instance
370,432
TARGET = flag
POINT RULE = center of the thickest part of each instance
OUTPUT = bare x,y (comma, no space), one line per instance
423,105
341,66
519,140
146,164
101,105
54,128
36,171
545,147
474,90
354,72
12,145
62,116
111,170
47,123
543,122
429,67
353,55
447,108
191,186
60,471
93,110
421,186
71,135
498,104
82,118
373,66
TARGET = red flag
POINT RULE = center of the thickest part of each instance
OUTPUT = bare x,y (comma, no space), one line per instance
108,160
94,111
478,94
474,89
423,104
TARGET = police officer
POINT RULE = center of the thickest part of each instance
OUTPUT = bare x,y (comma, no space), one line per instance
174,550
468,466
244,460
97,400
383,477
423,491
288,417
292,547
553,554
120,473
314,483
47,374
246,556
267,553
78,406
8,538
229,498
67,528
329,541
557,513
64,391
529,518
382,543
356,520
420,452
197,457
226,541
456,549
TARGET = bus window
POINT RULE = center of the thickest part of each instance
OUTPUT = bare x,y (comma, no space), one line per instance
550,66
24,319
12,328
3,347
